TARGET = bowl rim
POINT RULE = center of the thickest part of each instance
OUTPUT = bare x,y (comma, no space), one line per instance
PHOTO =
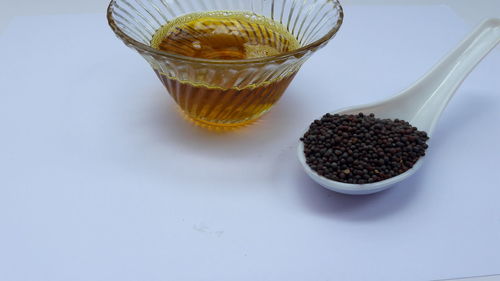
297,52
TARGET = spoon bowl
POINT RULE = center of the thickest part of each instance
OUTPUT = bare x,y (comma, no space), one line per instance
349,188
421,104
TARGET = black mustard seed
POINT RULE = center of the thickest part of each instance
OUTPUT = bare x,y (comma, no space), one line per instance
361,148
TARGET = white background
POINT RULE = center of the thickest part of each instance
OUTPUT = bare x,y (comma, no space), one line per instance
470,10
101,179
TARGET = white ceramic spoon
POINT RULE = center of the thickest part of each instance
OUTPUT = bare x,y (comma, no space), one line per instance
422,103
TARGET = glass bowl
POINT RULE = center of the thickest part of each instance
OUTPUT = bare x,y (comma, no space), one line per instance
226,92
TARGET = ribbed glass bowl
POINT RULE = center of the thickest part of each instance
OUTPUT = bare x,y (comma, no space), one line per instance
219,92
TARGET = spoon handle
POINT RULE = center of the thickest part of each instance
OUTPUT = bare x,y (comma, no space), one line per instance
442,81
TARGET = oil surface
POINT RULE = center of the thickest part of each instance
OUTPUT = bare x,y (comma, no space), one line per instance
224,35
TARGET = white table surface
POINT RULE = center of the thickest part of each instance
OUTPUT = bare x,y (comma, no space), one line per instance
101,179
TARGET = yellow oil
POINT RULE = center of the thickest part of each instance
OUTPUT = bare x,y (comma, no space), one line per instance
224,35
